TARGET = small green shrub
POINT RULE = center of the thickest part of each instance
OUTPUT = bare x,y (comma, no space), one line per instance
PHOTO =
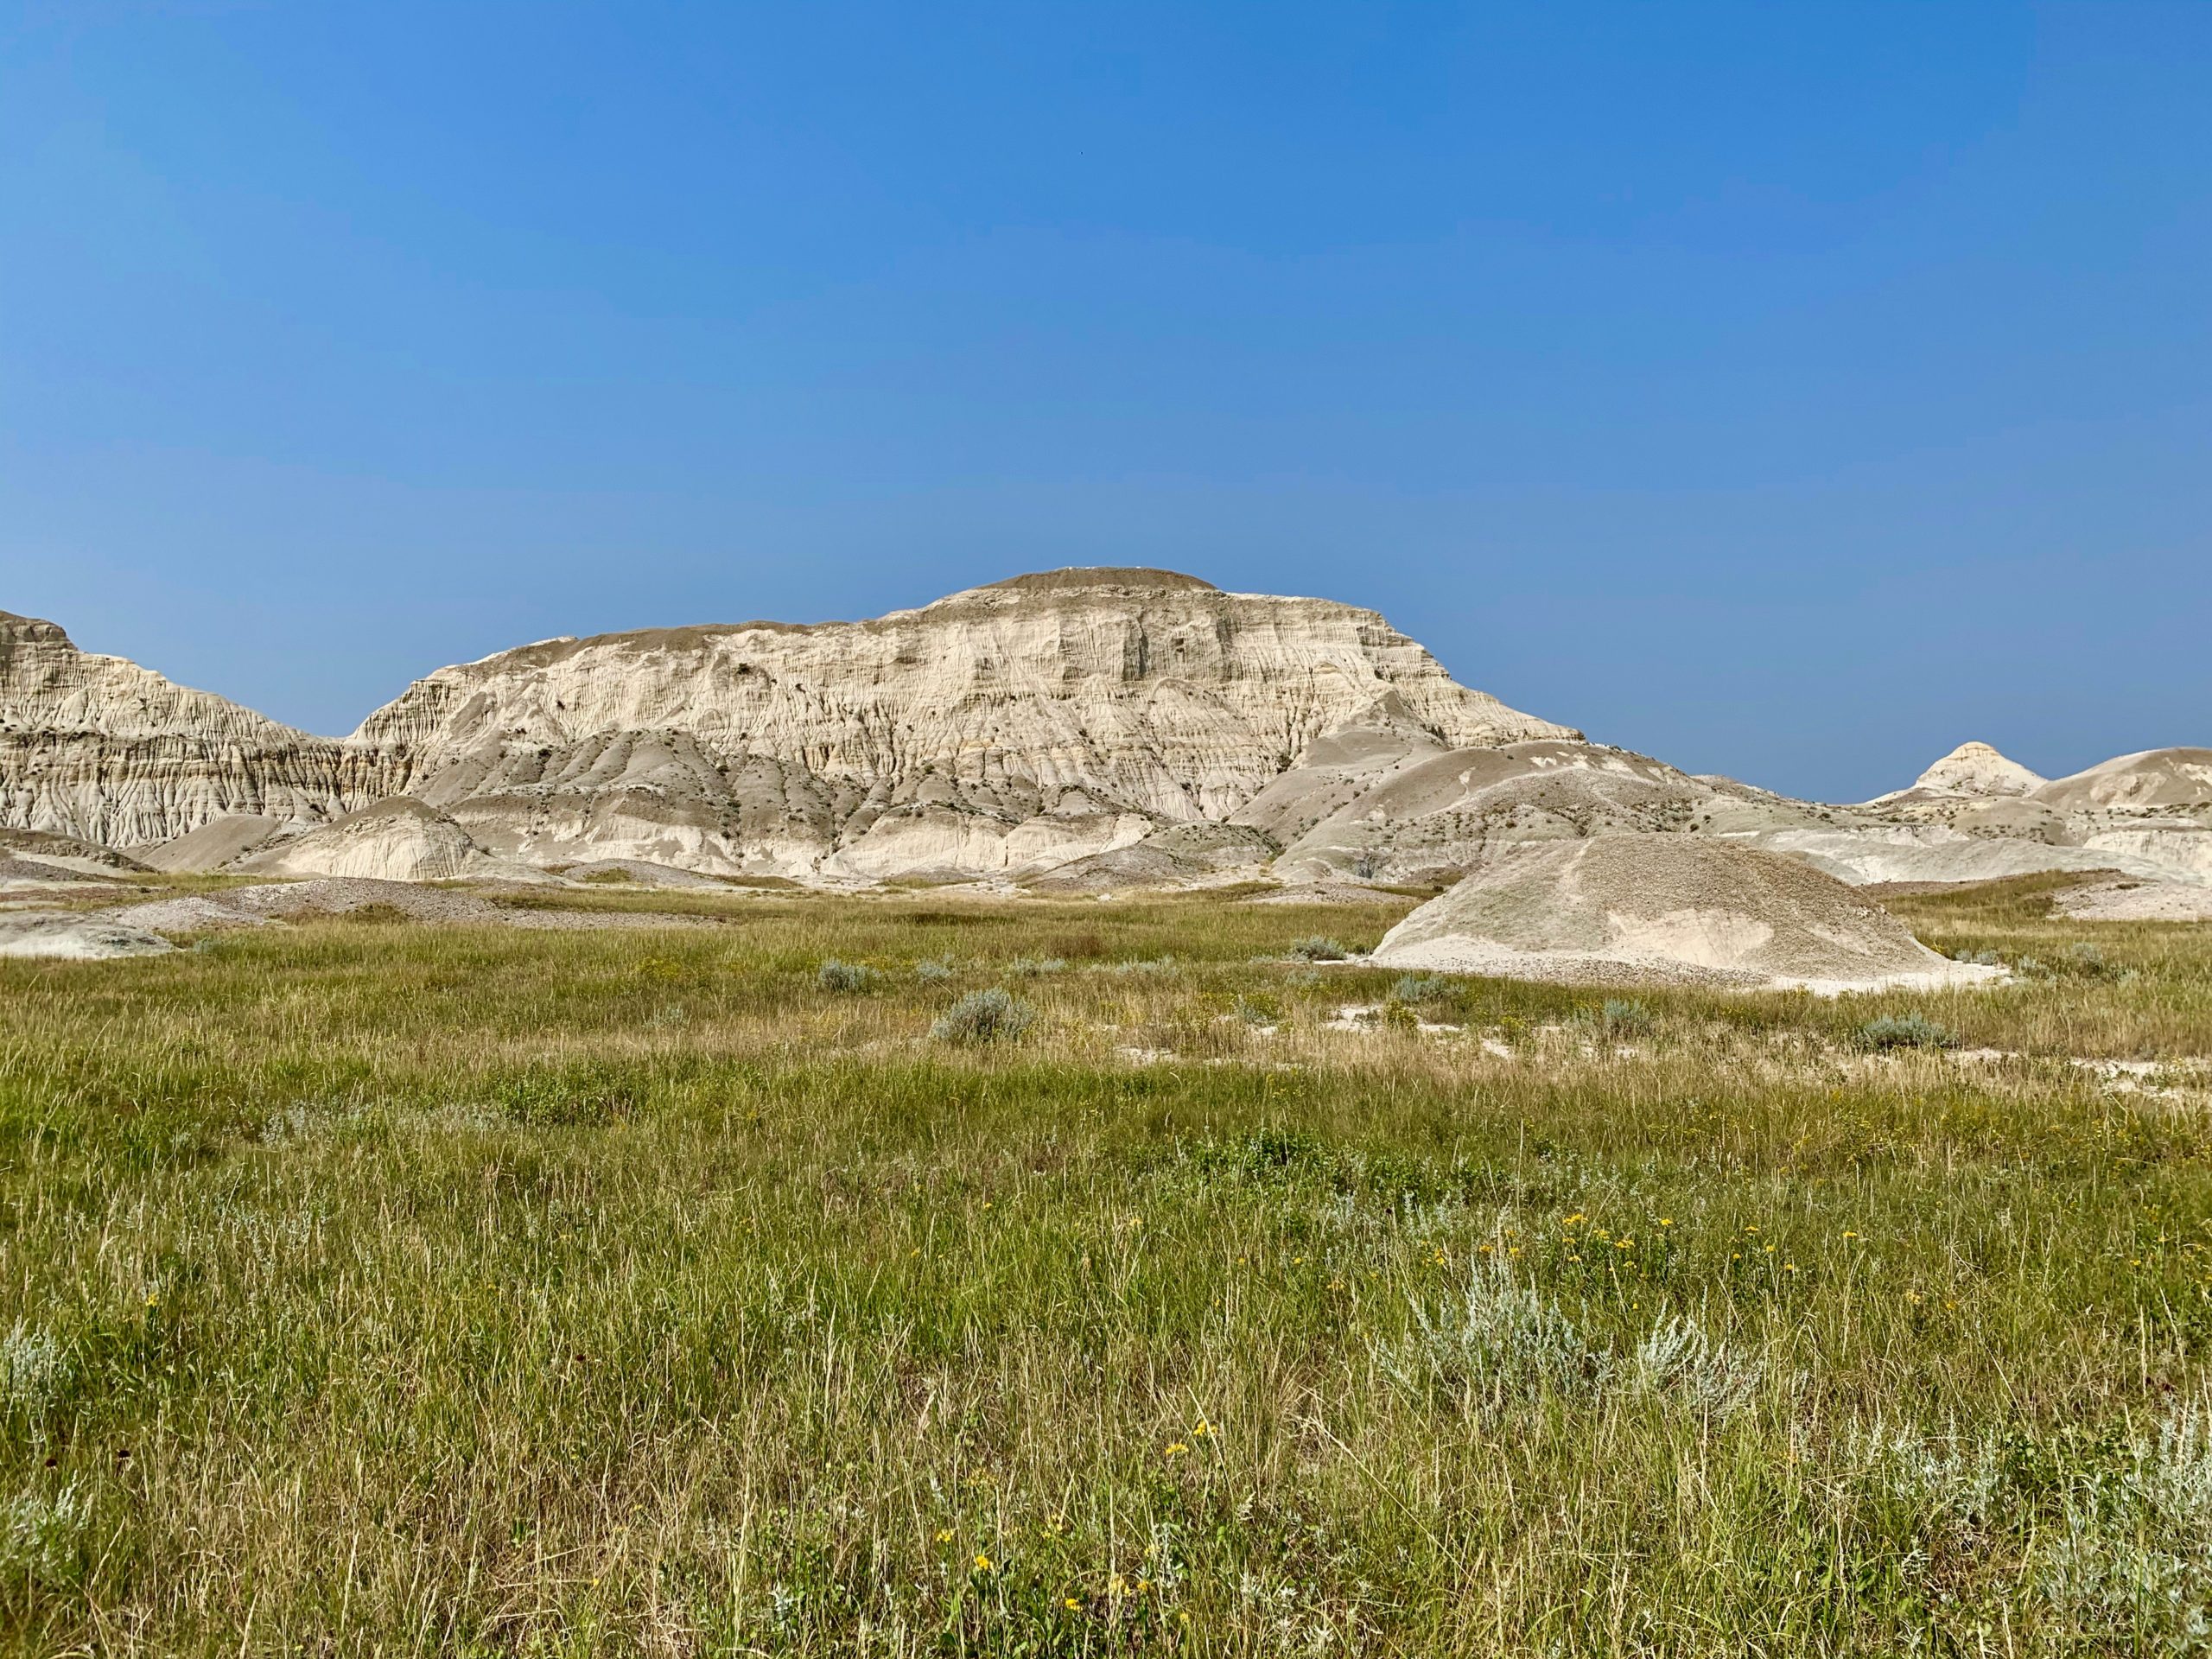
1159,965
933,970
43,1538
846,978
584,1098
1905,1031
992,1016
36,1372
1415,988
1317,948
1035,967
1621,1017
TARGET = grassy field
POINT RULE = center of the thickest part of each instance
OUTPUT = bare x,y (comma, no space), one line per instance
380,1288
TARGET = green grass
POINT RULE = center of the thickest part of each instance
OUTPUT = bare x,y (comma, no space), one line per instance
376,1288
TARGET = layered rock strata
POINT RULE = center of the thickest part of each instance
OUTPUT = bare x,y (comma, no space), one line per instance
98,748
1008,728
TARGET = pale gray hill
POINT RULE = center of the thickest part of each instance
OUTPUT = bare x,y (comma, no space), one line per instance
1366,749
1664,908
1004,729
2163,781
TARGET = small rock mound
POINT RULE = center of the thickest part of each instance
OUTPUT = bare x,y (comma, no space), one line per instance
2136,901
213,845
38,872
74,936
65,854
397,839
1665,909
1181,855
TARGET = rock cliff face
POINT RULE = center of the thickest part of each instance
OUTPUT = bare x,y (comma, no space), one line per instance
98,748
1010,727
1114,725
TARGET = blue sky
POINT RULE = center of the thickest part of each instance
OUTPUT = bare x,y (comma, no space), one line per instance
1790,391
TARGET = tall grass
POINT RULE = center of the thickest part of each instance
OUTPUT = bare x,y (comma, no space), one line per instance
374,1288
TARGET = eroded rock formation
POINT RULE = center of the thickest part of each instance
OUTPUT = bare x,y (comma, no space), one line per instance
1012,728
1105,726
98,748
1007,728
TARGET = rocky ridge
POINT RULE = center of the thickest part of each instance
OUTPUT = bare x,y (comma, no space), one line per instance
1007,729
1079,730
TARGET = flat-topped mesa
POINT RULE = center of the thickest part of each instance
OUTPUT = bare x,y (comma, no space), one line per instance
98,748
1003,726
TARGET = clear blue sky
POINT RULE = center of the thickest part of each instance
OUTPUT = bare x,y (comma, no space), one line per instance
1786,389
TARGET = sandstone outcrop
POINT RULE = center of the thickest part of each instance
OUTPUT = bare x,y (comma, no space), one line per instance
100,748
1005,730
1976,769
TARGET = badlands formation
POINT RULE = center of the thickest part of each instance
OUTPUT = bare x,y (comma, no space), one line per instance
1073,731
